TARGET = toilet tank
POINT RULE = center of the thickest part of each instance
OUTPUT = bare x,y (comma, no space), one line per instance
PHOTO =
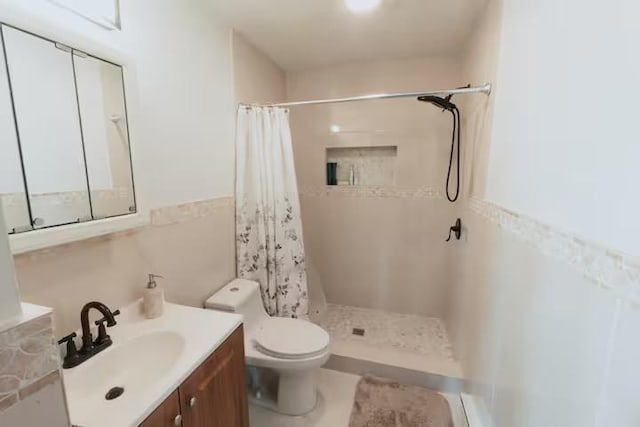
239,296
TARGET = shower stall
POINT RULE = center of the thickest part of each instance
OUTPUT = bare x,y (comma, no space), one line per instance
377,260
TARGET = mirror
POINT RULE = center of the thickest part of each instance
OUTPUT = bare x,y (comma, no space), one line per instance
41,77
12,193
63,124
106,136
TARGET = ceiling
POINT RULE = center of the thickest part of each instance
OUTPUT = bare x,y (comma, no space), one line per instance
300,34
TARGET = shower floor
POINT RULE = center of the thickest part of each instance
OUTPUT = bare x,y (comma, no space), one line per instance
400,340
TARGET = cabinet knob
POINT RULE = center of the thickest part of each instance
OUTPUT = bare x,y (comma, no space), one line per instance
177,421
192,402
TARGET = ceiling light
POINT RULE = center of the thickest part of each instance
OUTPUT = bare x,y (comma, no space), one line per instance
362,6
335,129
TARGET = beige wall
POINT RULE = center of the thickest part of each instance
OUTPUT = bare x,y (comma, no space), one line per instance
196,256
9,297
383,249
257,79
183,137
533,334
541,318
577,155
191,245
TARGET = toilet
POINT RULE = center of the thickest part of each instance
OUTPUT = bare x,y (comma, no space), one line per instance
292,348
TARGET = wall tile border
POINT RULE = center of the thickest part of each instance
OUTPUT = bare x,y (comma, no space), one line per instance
607,268
29,357
371,192
159,217
190,211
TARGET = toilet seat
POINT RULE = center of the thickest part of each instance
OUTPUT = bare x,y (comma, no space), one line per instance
285,338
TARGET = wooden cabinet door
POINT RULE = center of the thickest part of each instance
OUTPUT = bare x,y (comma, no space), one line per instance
215,394
167,414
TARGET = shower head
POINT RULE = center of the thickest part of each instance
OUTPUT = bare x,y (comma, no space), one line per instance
444,103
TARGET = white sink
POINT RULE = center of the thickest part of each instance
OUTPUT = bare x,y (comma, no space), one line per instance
149,359
133,365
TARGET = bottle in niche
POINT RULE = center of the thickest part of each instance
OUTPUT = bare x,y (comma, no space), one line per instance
332,173
352,175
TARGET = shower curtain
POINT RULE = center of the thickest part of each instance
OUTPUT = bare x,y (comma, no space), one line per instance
269,243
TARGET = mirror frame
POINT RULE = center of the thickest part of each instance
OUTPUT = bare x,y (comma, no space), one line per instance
45,238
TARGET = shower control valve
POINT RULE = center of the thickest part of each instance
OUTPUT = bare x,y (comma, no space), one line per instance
456,230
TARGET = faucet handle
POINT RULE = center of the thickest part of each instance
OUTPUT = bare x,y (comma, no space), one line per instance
72,351
103,337
99,321
68,339
456,230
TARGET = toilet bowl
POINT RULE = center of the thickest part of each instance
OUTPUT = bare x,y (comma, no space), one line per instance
293,348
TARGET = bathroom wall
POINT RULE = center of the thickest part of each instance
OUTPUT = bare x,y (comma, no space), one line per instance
184,82
256,78
544,292
184,138
381,247
565,124
9,297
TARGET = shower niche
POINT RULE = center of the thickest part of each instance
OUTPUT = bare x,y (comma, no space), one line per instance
361,166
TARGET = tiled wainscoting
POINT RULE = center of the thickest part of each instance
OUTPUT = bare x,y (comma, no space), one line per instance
190,243
603,266
377,246
372,191
543,322
190,211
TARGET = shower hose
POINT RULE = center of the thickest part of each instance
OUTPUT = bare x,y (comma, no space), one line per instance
455,147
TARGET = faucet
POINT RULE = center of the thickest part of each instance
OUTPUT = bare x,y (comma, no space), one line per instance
89,347
87,339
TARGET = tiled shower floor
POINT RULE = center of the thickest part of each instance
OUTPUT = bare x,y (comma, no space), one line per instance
407,341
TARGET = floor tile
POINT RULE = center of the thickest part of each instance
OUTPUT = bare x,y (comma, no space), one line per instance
336,395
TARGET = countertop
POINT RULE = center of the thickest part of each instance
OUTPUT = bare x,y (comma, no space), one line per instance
203,332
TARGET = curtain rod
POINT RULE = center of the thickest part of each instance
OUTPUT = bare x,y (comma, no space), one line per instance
486,89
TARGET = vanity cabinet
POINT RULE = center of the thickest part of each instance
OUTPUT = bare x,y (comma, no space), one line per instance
214,395
167,415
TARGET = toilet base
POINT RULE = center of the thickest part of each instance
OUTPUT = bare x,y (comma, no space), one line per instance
296,393
288,392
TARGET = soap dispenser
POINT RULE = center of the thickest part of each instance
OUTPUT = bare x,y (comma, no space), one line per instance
153,299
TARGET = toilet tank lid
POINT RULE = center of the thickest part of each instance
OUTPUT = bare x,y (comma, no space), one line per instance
233,295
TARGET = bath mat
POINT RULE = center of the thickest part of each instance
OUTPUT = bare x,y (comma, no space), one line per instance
385,403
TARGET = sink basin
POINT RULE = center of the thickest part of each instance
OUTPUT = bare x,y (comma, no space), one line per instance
149,359
132,365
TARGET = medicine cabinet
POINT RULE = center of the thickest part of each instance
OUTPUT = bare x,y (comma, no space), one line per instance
64,135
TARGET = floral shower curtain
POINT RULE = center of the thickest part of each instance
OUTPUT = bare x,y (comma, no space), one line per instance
269,243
